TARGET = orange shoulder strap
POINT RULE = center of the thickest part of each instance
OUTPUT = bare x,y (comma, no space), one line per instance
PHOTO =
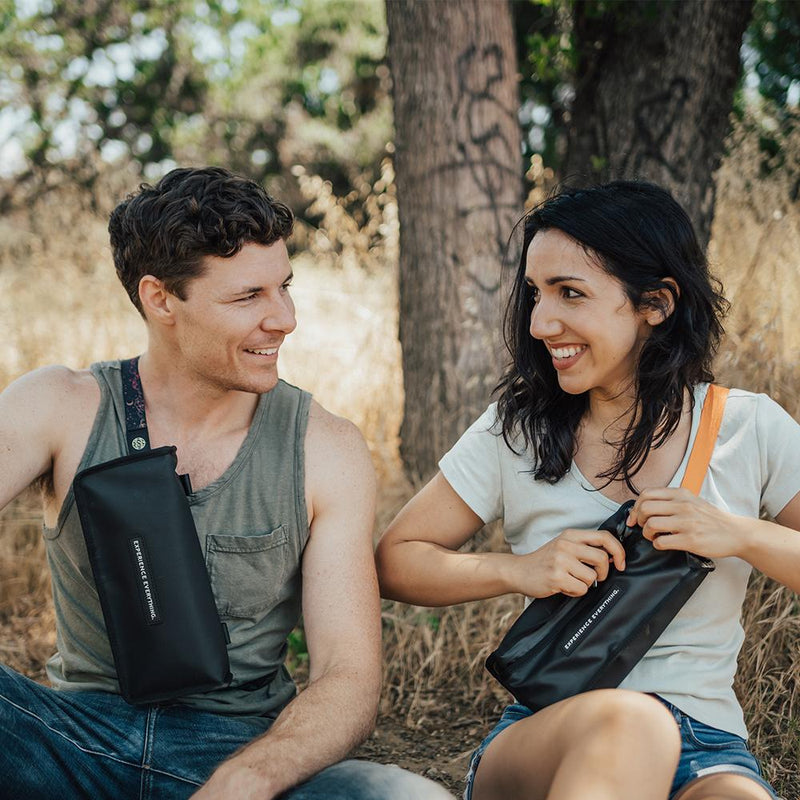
710,420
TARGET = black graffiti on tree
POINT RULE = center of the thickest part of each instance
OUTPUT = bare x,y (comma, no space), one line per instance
655,120
483,146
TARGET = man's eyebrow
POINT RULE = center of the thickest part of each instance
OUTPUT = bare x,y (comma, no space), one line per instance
257,289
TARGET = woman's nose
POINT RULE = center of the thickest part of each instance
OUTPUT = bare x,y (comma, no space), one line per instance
544,322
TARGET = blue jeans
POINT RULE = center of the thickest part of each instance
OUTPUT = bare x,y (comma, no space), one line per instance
704,750
94,745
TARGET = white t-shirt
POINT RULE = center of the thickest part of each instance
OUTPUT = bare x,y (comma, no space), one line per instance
755,465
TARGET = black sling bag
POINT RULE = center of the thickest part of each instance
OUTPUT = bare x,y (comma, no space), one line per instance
162,622
561,646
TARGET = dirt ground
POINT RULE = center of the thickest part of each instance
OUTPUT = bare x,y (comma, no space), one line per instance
438,748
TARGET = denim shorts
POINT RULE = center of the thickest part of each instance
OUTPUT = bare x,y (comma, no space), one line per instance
704,750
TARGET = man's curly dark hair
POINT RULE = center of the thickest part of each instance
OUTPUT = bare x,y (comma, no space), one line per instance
166,230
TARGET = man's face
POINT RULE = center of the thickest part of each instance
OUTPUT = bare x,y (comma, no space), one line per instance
235,317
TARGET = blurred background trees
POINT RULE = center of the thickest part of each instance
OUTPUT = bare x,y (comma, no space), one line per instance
297,94
98,95
264,85
257,86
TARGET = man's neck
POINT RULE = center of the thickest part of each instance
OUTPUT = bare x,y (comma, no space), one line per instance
178,398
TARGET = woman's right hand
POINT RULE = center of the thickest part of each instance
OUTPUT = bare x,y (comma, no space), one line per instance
570,563
419,561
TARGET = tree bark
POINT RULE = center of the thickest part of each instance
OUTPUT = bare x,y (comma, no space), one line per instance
653,96
459,190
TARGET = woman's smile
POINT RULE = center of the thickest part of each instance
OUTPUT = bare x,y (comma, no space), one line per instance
564,356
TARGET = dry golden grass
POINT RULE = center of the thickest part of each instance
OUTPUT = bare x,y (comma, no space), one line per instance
60,303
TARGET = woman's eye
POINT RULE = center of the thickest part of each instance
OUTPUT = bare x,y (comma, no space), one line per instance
570,294
533,293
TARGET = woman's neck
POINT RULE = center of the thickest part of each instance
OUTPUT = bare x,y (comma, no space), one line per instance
602,430
611,414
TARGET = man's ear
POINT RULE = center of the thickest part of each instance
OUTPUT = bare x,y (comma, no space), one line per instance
660,304
156,300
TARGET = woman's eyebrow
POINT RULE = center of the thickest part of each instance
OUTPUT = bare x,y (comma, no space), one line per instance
563,278
556,279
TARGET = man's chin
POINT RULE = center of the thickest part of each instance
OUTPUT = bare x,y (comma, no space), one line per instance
260,385
249,381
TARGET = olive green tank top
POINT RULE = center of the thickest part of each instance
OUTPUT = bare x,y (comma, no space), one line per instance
252,525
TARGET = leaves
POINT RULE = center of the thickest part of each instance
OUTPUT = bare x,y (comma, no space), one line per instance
231,82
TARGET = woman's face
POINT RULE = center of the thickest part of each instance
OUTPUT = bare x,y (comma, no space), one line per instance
583,317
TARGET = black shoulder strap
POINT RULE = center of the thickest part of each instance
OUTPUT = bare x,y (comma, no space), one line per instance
135,422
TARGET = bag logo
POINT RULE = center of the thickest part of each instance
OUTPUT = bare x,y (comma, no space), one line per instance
601,609
147,591
138,443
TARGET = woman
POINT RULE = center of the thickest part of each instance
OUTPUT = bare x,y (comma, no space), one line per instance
612,325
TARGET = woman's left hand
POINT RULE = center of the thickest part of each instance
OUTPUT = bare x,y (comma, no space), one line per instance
676,519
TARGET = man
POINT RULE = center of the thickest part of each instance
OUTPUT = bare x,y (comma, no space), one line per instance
283,501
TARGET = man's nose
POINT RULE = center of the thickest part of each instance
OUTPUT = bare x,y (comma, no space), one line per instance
280,317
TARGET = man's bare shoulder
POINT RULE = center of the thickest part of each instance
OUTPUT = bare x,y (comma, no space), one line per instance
336,453
42,414
55,388
327,430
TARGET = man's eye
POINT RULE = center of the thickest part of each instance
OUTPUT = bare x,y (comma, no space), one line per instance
247,297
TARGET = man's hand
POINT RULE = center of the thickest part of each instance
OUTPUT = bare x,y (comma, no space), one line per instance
235,780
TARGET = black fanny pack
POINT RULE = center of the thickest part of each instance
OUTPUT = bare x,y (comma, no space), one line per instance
161,618
561,646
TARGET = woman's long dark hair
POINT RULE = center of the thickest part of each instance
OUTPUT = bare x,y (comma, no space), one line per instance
640,235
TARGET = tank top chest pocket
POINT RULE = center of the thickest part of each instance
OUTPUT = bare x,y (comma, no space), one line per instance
247,573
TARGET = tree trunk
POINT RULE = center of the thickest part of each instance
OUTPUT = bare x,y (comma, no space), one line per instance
459,190
654,90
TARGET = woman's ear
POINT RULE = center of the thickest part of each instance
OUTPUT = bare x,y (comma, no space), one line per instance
156,300
660,303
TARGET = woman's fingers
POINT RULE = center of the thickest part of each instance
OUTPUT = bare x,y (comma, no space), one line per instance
570,563
658,502
585,573
606,544
585,555
573,587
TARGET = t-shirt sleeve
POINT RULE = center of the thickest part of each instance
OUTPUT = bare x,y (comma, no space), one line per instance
472,467
779,450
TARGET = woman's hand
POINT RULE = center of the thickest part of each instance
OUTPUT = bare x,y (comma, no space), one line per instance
570,563
676,519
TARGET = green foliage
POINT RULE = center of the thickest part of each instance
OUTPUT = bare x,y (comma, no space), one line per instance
557,40
771,79
774,38
545,53
298,649
263,85
255,85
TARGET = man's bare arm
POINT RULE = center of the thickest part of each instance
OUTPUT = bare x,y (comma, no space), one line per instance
341,612
33,411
